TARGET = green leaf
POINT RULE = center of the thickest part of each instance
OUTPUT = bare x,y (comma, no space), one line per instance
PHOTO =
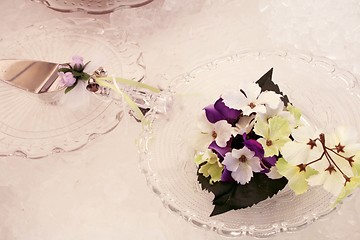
266,84
64,70
68,89
84,76
77,74
232,196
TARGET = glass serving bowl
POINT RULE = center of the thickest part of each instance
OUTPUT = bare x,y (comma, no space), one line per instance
327,96
92,6
36,125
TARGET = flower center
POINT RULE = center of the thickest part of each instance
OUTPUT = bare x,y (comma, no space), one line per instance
252,105
331,169
339,148
311,143
268,143
214,134
242,158
302,167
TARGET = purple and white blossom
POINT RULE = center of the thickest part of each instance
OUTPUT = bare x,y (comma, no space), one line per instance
242,163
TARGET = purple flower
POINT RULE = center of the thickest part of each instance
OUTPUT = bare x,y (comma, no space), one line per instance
218,111
77,63
220,151
67,79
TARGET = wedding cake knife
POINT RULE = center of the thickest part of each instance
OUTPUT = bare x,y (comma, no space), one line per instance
30,75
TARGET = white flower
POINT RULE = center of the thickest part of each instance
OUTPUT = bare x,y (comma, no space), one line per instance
253,102
332,181
220,132
304,148
344,142
242,163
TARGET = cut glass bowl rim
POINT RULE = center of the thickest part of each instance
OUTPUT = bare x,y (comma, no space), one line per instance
170,204
96,29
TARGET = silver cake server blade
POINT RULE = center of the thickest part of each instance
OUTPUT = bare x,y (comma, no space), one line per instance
30,75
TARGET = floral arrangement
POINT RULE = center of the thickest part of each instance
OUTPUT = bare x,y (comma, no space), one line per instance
73,72
99,82
254,144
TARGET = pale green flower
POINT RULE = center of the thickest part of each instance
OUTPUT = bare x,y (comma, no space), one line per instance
296,176
275,133
296,113
212,166
350,186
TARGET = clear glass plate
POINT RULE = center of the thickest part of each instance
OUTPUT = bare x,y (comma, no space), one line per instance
326,95
31,125
92,6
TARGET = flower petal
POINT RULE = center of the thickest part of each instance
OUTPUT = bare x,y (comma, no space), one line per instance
298,183
304,133
231,115
224,132
268,150
243,174
349,188
279,128
236,153
230,162
296,153
254,163
346,135
220,150
334,183
269,98
268,162
297,180
247,153
261,128
252,91
234,99
254,146
204,125
212,114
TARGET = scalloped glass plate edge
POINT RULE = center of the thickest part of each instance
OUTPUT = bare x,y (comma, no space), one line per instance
350,82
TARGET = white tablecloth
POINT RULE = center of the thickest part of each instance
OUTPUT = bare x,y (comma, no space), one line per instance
99,192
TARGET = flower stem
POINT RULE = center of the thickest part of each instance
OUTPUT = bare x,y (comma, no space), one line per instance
328,157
